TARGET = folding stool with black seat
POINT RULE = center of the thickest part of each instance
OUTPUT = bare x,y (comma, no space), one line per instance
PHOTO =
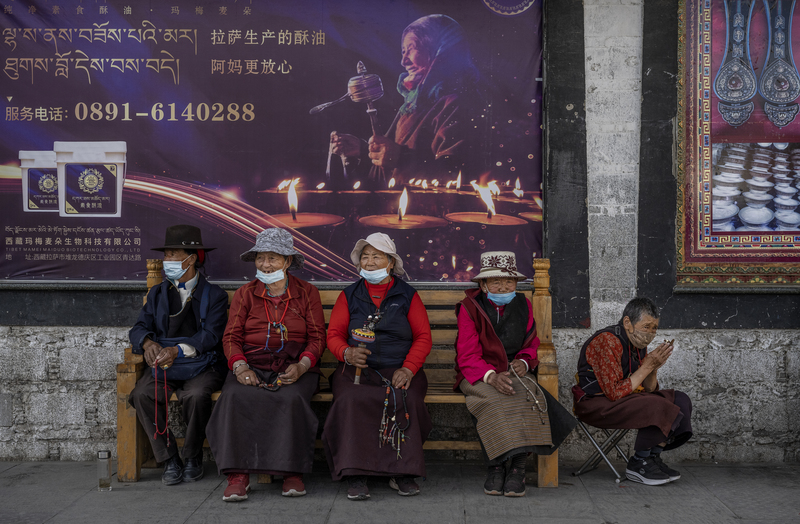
601,450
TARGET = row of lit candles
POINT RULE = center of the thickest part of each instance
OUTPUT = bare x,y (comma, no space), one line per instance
486,194
423,184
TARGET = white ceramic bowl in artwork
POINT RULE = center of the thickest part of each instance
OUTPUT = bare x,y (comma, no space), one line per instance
758,185
755,216
788,219
727,181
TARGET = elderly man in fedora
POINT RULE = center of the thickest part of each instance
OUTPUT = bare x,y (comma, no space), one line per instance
179,331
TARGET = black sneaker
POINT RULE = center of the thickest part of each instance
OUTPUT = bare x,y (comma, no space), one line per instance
494,480
673,475
173,471
357,488
514,485
405,486
645,471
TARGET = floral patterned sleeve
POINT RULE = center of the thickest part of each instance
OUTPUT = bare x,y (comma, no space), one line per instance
604,354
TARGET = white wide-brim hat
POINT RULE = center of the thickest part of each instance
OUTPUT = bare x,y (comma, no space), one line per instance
499,264
278,241
381,242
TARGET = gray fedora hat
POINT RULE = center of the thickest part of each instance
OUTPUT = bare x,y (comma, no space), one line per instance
278,241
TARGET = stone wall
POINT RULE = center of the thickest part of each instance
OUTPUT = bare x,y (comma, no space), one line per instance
613,47
58,393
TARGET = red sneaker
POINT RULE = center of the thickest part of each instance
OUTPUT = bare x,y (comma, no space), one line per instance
293,486
238,486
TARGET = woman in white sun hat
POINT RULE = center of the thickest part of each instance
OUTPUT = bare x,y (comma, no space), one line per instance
378,328
495,359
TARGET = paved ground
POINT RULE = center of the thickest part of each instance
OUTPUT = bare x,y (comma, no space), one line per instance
64,492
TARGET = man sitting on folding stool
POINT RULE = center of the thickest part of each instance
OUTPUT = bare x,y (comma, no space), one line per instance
618,389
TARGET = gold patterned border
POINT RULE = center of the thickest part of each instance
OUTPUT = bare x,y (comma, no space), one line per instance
730,262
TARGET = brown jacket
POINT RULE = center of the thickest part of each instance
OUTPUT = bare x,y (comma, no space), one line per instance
246,333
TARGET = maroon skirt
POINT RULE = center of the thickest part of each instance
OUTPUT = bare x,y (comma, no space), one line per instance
635,411
350,435
259,431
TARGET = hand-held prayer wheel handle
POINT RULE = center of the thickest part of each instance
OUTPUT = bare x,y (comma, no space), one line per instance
366,88
316,109
363,336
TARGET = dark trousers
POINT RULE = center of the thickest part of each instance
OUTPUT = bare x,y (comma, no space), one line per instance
195,398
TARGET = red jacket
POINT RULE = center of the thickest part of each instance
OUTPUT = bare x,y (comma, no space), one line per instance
301,310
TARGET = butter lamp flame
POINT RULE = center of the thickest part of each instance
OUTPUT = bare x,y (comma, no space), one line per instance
494,188
458,182
391,182
357,185
424,184
518,190
320,186
486,196
292,196
401,208
283,184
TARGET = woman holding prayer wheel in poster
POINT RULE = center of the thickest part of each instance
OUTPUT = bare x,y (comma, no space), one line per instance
263,422
495,358
436,131
380,333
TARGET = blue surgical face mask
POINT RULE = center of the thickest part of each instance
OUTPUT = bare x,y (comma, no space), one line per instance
174,270
270,278
501,299
375,277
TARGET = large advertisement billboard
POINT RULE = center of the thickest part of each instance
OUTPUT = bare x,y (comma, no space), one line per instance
333,119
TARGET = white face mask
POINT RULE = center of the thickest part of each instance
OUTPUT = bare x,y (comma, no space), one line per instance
270,278
174,270
375,277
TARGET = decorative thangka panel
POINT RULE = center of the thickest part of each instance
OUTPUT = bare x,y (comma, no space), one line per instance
738,145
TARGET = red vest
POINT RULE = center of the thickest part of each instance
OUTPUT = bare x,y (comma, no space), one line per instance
493,351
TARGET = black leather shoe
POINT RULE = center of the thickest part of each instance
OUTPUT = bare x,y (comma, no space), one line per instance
194,469
173,471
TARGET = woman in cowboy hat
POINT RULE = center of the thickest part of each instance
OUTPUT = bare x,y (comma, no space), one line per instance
495,357
263,422
379,330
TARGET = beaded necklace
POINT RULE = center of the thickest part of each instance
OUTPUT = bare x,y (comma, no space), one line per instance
390,432
539,405
166,405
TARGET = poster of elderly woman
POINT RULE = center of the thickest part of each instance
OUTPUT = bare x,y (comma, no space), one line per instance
330,119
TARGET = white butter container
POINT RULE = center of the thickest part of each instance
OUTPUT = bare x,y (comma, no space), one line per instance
90,178
39,181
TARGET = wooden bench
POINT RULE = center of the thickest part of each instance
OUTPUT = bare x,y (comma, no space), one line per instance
133,447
